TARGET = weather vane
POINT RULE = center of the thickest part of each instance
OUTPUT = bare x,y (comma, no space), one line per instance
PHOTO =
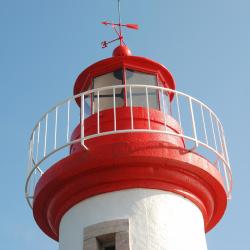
118,29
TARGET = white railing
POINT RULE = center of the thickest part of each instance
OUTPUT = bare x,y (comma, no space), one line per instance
50,138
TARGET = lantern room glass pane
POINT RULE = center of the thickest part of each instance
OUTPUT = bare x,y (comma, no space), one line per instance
139,98
87,103
164,100
87,106
106,96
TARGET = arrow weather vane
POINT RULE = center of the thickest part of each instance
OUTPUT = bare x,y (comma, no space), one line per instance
118,30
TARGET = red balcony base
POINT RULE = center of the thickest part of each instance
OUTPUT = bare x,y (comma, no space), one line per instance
112,163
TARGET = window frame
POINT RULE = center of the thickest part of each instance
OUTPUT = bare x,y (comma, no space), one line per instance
107,233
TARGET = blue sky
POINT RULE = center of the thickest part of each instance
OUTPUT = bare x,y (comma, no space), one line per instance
44,45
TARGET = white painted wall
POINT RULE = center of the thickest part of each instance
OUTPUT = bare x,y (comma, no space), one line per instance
158,220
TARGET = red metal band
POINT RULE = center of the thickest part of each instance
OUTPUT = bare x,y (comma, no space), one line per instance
110,166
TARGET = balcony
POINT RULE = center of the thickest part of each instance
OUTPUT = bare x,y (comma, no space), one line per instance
184,121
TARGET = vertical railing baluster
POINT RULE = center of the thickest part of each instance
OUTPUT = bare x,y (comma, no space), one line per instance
178,108
164,109
169,102
220,139
223,154
37,153
204,124
227,161
33,144
82,119
68,120
147,103
214,136
98,112
32,163
222,142
131,107
226,177
93,100
38,140
55,135
225,146
114,108
30,156
33,183
193,121
45,135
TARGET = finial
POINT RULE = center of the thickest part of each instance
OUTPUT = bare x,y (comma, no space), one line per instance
119,30
122,50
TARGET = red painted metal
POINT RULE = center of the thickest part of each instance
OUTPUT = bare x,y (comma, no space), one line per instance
122,50
140,118
118,32
125,161
129,25
144,161
132,26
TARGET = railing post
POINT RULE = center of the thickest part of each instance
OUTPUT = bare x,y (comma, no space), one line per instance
82,121
30,154
131,107
30,163
38,140
55,136
164,109
223,153
228,164
212,123
220,138
98,112
193,121
225,146
178,108
32,147
147,103
204,124
114,108
68,120
45,135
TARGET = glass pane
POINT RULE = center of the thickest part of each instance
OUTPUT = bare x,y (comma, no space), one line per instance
87,107
87,103
164,101
106,96
138,94
135,77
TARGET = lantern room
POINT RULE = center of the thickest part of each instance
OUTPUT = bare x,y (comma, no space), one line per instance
124,70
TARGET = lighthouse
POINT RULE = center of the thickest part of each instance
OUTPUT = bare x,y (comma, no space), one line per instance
128,162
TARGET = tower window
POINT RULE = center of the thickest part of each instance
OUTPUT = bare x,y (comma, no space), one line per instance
108,235
106,241
109,248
